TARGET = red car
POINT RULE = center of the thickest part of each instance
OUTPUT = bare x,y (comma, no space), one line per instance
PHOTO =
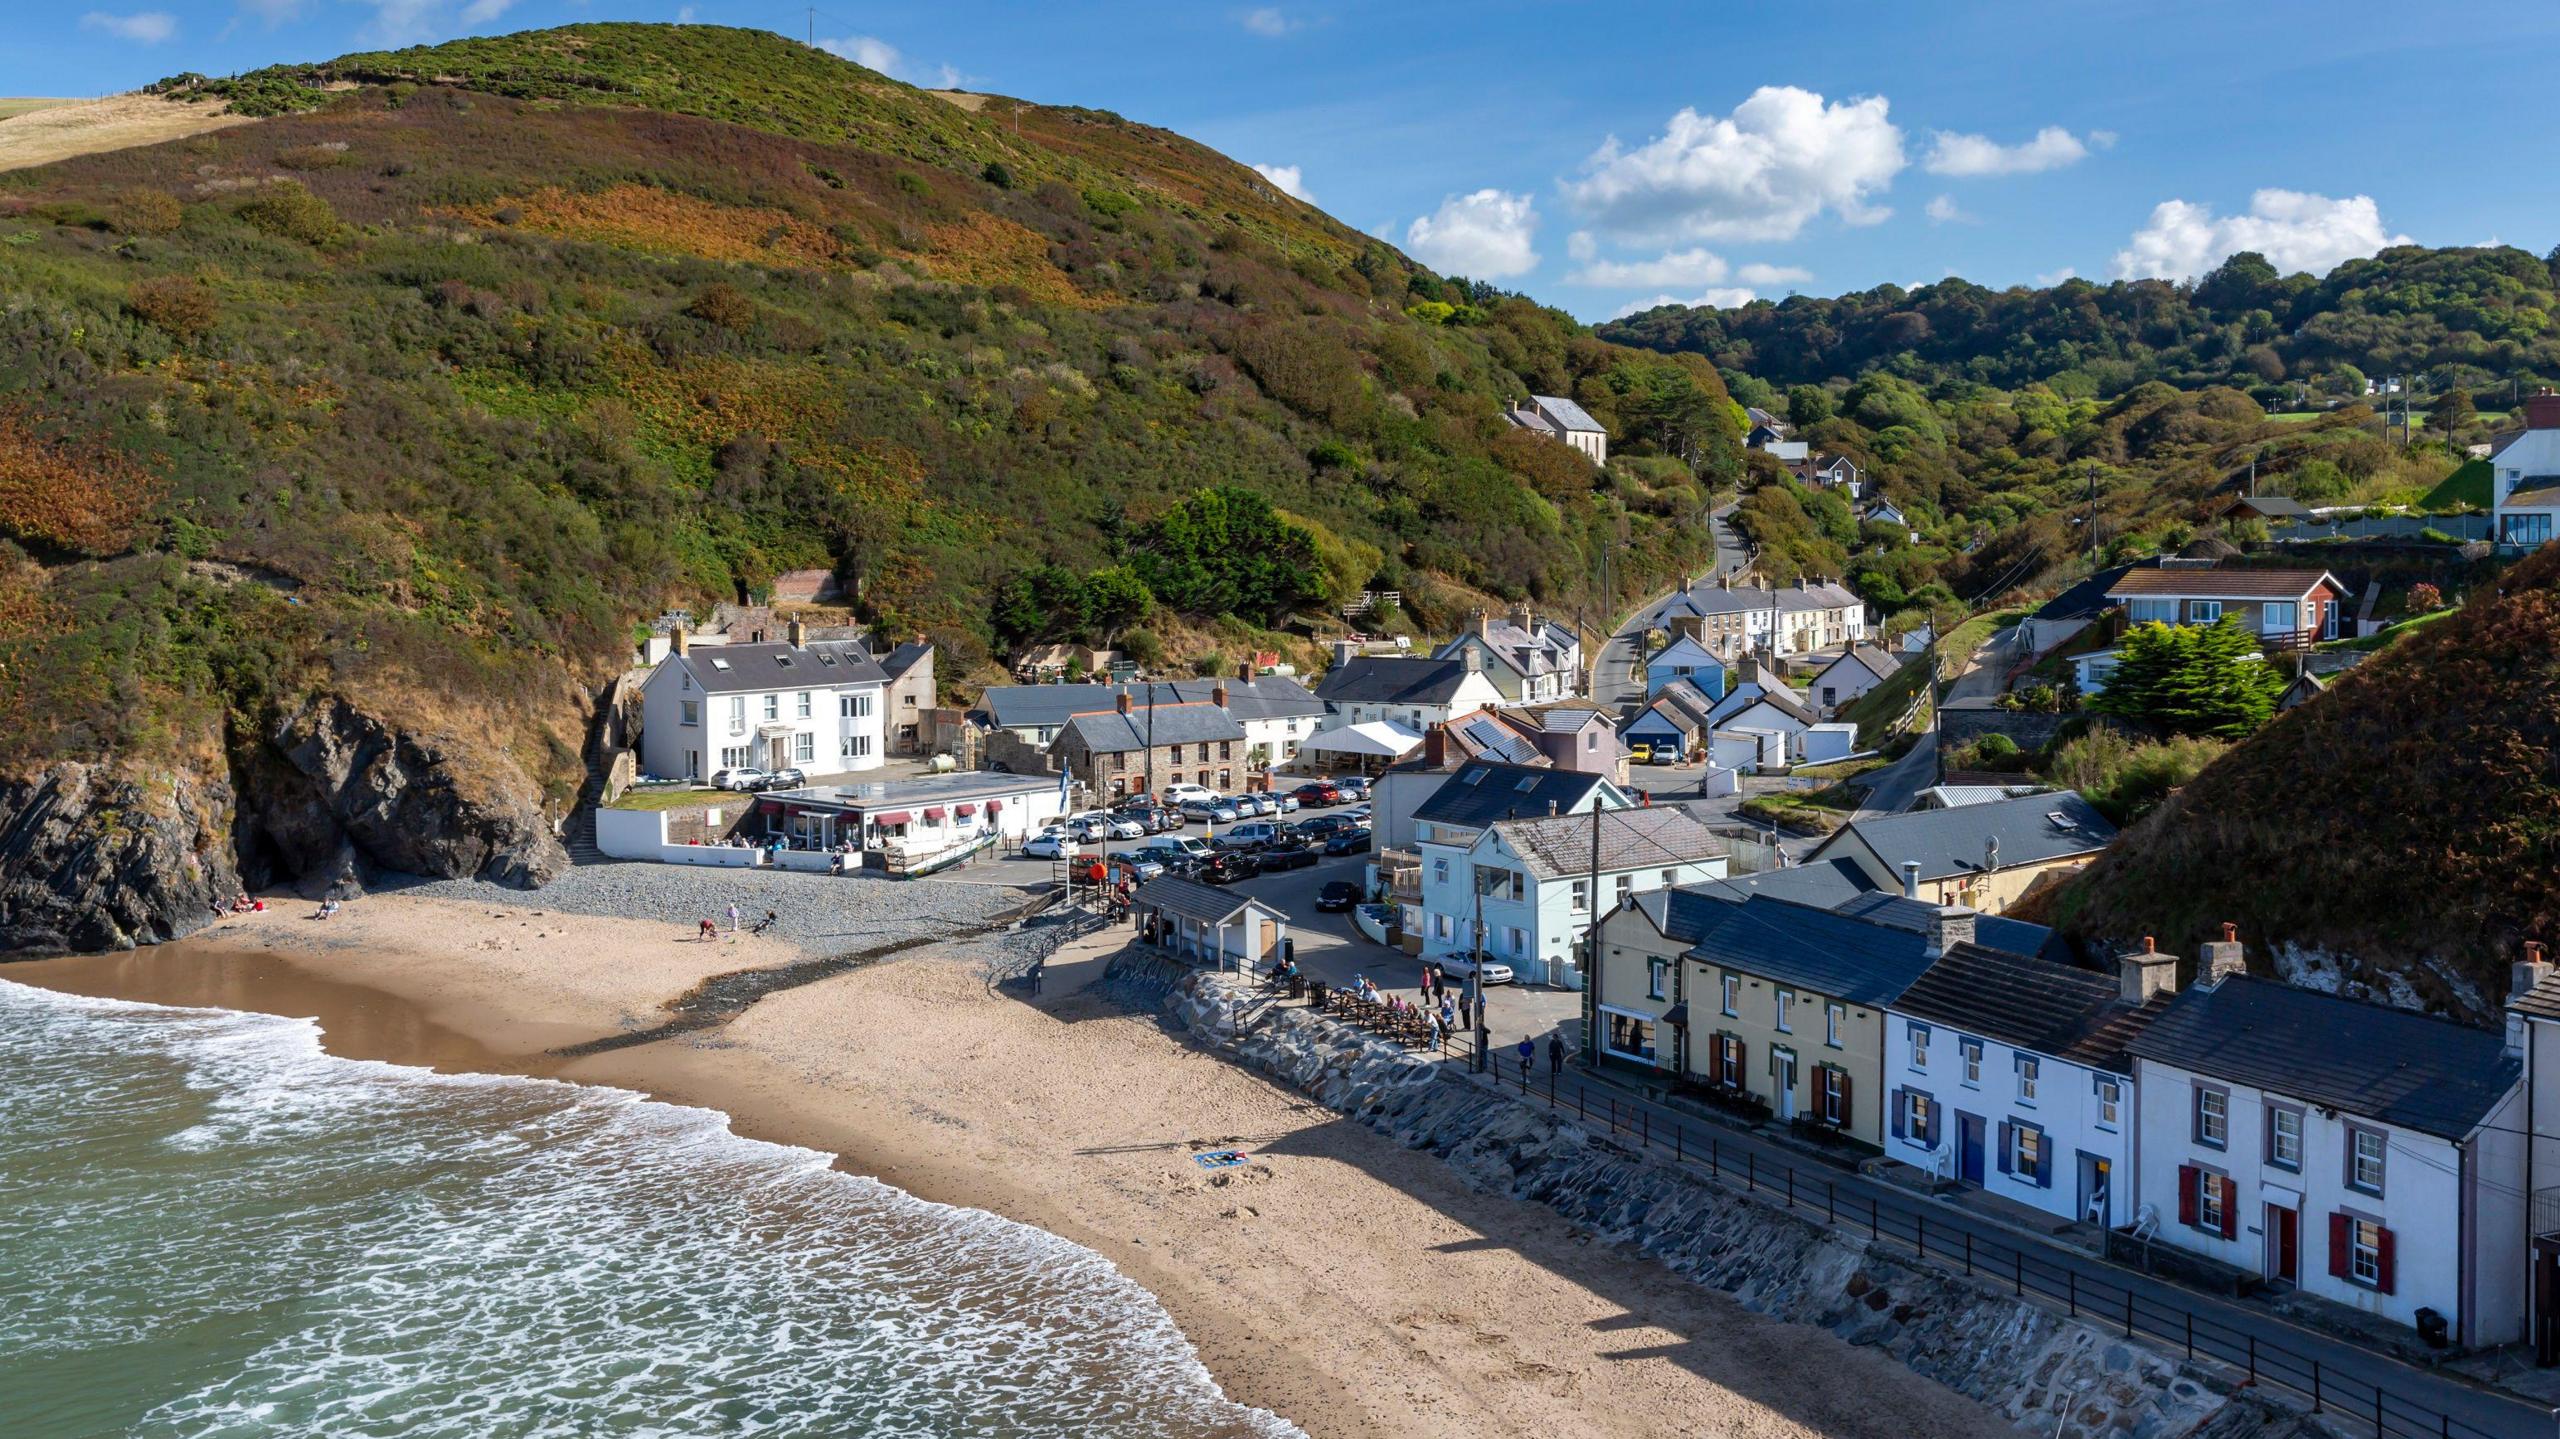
1318,792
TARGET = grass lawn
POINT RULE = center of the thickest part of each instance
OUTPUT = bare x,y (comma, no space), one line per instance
2465,487
2396,632
670,798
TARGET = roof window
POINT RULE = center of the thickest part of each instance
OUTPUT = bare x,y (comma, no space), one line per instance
719,664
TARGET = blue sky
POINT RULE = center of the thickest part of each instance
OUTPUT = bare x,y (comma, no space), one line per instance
1600,155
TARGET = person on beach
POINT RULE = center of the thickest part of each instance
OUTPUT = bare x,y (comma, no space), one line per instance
733,916
709,931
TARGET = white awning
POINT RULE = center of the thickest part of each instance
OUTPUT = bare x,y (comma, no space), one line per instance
1383,738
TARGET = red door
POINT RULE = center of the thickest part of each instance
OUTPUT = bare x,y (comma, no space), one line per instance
2284,1244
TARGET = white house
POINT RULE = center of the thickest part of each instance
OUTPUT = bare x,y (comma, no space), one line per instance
1733,621
2367,1156
1684,657
1531,661
2524,477
1276,712
1750,682
1410,691
1859,669
813,706
2009,1075
1836,472
1558,418
1775,709
1531,885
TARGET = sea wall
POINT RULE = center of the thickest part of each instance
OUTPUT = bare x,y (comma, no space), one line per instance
2051,1375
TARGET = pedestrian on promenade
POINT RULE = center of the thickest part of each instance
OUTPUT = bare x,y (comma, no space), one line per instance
1555,1057
1528,1052
733,916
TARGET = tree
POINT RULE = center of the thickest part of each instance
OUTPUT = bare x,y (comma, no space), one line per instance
1808,405
2452,410
2192,680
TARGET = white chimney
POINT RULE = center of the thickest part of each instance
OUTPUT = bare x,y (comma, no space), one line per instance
2146,974
1950,926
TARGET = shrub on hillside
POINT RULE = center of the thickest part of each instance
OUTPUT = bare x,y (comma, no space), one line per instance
2124,776
2192,680
178,305
146,212
289,211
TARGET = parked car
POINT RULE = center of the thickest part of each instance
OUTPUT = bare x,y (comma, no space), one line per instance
1319,792
1357,816
1640,752
1049,843
1213,809
1141,867
1664,754
1252,835
1121,826
787,778
1462,964
1337,896
1190,847
1287,855
1228,868
1251,803
1288,803
744,779
1166,861
1321,826
1352,840
1353,786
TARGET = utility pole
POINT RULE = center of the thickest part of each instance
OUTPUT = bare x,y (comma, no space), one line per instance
813,27
1591,941
1475,977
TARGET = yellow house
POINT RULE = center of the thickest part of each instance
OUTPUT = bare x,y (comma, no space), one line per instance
1981,856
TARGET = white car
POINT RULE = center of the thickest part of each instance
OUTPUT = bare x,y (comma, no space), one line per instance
1120,828
1047,844
1462,964
1179,794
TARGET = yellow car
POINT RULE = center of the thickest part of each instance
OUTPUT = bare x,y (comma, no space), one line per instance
1640,752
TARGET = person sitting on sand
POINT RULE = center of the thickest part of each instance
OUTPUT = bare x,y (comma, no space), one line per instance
328,908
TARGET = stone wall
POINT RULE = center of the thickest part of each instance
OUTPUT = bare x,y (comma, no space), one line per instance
2050,1375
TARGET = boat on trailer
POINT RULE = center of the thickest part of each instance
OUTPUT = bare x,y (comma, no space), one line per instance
904,863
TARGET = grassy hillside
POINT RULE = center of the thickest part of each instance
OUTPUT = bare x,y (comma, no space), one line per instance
2408,820
428,388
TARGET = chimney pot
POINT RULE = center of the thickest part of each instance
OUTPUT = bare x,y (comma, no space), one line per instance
1911,879
1950,926
2146,974
2524,976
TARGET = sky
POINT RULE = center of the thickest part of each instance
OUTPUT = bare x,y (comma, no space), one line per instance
1606,156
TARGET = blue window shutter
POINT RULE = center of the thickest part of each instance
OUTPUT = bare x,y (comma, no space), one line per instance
1900,1096
2044,1162
2004,1146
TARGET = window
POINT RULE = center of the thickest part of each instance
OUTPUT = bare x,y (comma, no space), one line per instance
773,707
1971,1050
689,713
2204,612
2211,1211
1517,939
1581,895
1439,926
1728,1061
2284,1137
1630,1037
737,714
734,757
1832,1014
2213,1117
1732,994
1176,756
2110,1101
2279,619
800,704
2027,1069
1786,1009
2143,612
2364,1159
1834,1097
2027,1157
2366,1263
1626,887
804,747
1919,1118
1920,1046
1670,877
859,707
1226,749
1658,971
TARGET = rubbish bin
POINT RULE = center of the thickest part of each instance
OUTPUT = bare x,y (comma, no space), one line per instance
1315,994
1288,948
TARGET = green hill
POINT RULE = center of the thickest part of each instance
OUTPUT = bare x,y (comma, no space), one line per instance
340,453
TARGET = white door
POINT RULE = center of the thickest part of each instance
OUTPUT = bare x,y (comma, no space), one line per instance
1785,1078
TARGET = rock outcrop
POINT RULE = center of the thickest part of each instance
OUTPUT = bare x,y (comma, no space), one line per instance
2050,1375
90,859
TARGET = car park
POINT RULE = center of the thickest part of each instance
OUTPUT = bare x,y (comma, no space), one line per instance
1214,810
1337,896
1228,868
1047,844
1318,793
742,779
1254,834
1288,856
1321,826
1353,840
1462,964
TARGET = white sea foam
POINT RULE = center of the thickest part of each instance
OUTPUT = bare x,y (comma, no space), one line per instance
350,1247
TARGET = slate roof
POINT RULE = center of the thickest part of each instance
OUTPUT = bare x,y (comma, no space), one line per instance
1393,679
902,659
1950,842
1681,705
1482,792
1885,906
1111,732
1190,899
2220,583
2431,1075
1556,846
1854,960
1047,706
2035,1004
2085,600
1827,883
1484,734
1780,697
757,669
2271,506
1717,600
1562,717
1681,914
2542,1001
1566,413
1867,657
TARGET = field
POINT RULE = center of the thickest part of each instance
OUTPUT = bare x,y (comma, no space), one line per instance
41,132
21,104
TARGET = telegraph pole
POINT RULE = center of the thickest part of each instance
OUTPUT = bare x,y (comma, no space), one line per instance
1475,977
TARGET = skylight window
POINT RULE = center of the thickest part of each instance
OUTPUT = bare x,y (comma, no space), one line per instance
719,664
1527,783
783,660
1478,777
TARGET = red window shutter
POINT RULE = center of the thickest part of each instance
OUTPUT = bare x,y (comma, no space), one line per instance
2382,1257
2230,1206
2340,1260
1846,1113
1741,1073
2188,1175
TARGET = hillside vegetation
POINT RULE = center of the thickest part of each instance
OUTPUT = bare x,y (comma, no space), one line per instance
2408,820
422,392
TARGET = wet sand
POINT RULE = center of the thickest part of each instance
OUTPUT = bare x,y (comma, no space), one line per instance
1353,1286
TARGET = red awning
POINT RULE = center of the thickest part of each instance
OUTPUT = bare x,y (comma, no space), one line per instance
937,812
773,806
895,816
967,809
995,806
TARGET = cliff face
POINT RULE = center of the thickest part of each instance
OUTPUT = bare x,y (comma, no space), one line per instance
90,859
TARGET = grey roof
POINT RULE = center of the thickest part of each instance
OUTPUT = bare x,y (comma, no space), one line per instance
1867,657
1541,648
1482,791
1741,599
2273,506
2431,1075
1683,913
2083,601
1393,679
1884,906
1855,960
1190,899
1554,846
1566,413
1949,842
1111,732
2542,1001
902,659
1780,697
1562,717
2035,1004
1828,883
1681,705
1488,736
756,669
1047,706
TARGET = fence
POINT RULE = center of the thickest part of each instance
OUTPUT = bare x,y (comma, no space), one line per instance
2084,1291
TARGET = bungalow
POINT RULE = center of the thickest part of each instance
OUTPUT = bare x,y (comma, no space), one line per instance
2364,1155
1558,418
1407,690
806,704
1208,925
1981,855
2524,477
2279,508
1523,892
1531,661
1677,718
2285,609
1684,657
1859,669
2070,612
2010,1075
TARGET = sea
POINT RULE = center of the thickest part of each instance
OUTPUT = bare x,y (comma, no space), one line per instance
209,1226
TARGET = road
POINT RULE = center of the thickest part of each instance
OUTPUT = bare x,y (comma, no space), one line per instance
1613,673
1891,789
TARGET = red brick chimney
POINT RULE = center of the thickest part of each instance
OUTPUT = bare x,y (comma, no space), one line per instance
1218,694
1120,702
2542,410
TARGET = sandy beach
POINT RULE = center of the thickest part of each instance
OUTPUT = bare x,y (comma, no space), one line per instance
1350,1285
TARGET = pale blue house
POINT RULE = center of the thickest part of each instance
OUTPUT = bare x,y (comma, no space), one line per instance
1683,658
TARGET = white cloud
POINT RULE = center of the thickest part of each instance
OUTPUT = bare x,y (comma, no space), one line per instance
2102,139
401,22
874,53
1580,246
1679,267
1976,155
481,12
684,15
1483,236
1944,210
1781,158
1773,274
148,27
1289,180
2055,277
2294,230
1719,298
1268,22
